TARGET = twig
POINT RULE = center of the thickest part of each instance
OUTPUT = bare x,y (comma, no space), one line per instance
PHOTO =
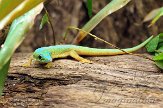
51,25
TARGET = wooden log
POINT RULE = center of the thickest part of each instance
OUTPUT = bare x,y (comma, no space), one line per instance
124,81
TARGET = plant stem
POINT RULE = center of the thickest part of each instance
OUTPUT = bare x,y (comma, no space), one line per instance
51,25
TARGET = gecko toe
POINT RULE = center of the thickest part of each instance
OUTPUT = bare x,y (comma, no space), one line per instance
86,61
48,65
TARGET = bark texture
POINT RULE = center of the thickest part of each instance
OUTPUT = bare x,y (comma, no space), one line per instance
123,81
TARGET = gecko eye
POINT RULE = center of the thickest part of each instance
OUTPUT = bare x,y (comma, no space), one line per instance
40,57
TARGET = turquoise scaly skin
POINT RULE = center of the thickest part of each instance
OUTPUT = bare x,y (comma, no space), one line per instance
47,54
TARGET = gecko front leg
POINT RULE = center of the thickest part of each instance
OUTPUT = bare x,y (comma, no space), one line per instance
28,64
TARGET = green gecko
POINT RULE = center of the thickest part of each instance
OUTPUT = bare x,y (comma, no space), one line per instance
47,54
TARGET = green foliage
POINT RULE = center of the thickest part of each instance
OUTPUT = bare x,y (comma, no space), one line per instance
7,6
154,15
155,46
160,49
158,57
159,64
11,9
89,7
113,6
152,45
16,35
3,76
44,20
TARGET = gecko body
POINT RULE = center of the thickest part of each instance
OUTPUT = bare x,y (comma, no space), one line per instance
47,54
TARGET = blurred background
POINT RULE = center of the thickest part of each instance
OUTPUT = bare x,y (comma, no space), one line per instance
124,28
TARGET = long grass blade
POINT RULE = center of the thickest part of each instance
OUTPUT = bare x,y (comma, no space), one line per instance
22,8
89,7
113,6
6,6
16,35
3,76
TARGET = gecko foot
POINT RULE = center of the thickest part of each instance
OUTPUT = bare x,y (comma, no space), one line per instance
26,65
86,61
48,65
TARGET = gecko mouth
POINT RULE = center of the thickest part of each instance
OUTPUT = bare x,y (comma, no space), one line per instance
45,61
42,61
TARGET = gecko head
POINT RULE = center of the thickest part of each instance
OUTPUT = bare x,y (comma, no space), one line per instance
42,56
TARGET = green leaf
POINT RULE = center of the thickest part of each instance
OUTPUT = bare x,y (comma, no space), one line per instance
151,15
152,45
160,13
160,44
110,8
161,37
89,7
3,75
159,50
18,8
6,6
158,57
16,35
18,29
159,64
154,15
45,19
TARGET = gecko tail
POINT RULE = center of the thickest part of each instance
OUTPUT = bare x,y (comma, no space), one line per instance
138,46
105,52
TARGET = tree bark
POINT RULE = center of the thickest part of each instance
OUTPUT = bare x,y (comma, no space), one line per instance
124,81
